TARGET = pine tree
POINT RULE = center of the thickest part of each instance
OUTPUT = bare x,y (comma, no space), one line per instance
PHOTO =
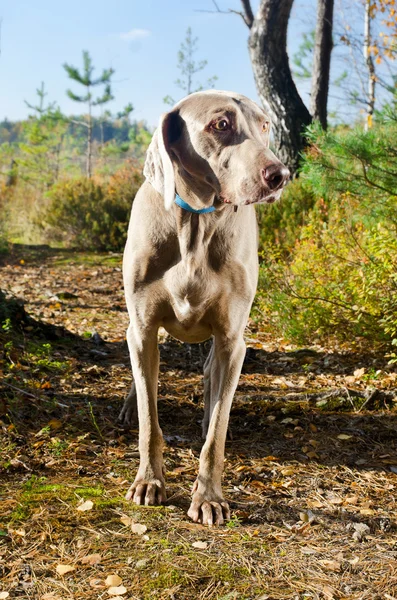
86,79
42,144
188,68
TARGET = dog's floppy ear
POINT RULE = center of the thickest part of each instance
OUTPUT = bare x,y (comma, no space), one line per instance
159,168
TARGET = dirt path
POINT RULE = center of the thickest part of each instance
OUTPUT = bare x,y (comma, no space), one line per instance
311,473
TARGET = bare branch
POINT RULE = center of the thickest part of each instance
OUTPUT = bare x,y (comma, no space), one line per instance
248,14
230,11
78,122
26,393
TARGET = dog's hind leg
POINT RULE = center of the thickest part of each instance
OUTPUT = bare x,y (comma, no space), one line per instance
209,395
129,413
207,392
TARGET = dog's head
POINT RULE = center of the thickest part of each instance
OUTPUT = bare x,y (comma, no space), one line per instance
213,148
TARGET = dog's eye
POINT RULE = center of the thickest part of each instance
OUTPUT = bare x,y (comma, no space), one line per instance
221,125
265,127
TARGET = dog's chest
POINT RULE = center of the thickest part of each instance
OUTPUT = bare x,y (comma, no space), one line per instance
192,288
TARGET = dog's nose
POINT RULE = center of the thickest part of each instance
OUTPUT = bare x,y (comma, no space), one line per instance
275,176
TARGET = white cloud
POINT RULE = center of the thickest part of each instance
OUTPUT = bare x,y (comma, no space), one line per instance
134,35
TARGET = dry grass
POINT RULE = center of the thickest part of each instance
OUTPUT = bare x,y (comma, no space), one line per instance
311,480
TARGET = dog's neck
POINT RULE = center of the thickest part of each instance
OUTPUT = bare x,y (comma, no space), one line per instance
193,190
195,231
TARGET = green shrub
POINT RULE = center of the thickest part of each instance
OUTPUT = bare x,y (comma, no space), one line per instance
3,218
91,214
340,275
280,223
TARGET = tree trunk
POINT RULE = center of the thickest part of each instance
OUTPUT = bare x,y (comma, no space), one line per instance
322,61
276,88
370,65
12,174
58,159
89,142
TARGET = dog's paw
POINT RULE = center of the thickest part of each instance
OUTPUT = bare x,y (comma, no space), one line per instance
208,509
128,416
148,492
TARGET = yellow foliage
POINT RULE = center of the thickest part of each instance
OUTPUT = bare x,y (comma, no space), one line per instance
373,50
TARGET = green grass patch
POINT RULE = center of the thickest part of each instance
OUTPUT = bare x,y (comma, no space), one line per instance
90,492
88,258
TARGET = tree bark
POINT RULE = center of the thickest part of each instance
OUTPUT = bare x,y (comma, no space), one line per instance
273,78
322,61
370,65
89,142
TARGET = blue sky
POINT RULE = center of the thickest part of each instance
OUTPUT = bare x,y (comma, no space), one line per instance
140,40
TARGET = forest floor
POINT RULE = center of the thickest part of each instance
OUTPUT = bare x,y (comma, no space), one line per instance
310,473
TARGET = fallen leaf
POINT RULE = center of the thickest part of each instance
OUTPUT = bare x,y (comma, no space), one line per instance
91,559
344,436
87,505
330,565
316,504
138,528
312,454
4,595
329,592
359,373
126,520
288,471
351,499
113,581
97,584
200,545
308,550
63,569
242,468
336,500
49,596
20,532
116,591
366,512
360,531
307,517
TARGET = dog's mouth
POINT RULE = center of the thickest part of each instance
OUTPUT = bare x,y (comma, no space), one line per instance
264,199
269,199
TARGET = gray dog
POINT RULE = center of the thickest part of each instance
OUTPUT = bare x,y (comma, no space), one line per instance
191,266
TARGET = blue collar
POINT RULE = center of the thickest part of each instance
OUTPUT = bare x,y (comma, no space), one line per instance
186,206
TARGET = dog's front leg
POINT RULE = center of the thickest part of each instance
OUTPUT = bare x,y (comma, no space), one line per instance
148,487
208,506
